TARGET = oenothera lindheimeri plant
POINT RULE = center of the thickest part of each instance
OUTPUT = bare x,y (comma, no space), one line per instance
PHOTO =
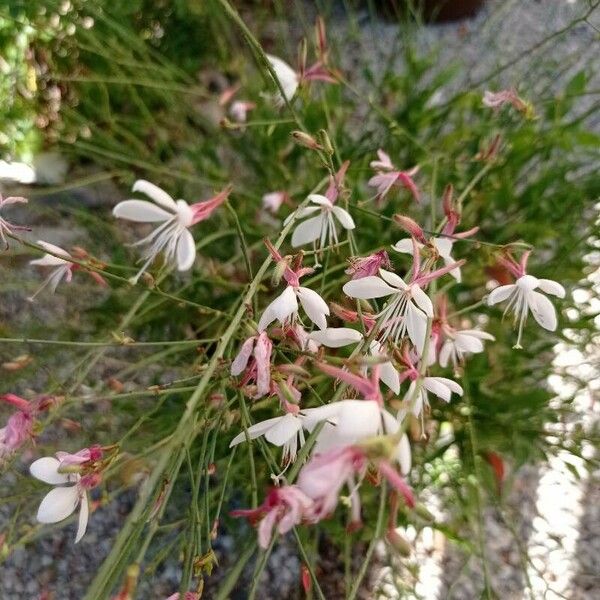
316,380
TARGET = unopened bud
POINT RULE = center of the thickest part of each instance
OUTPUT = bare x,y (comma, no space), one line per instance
292,369
325,141
278,271
302,54
306,140
424,513
447,199
411,227
398,542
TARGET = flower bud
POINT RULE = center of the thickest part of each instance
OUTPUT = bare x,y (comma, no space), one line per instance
411,227
325,141
398,542
306,140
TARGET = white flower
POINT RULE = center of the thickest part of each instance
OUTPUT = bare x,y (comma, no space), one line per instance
288,78
443,246
285,307
523,297
441,387
63,500
458,343
322,227
285,431
63,267
406,311
273,200
347,422
171,237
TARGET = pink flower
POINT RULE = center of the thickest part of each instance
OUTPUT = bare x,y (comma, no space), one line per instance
273,201
388,176
19,426
368,265
254,357
284,507
63,268
324,476
497,100
239,110
7,228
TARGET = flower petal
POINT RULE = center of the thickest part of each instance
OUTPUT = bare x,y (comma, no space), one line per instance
155,193
284,430
445,353
344,217
286,75
336,337
255,431
54,249
186,251
301,213
46,469
403,455
58,504
281,308
307,231
422,300
551,287
500,293
140,211
405,246
243,356
416,326
314,306
368,287
84,513
393,279
320,200
389,375
543,310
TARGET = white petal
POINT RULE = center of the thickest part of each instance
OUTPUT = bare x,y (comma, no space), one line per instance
46,469
393,279
320,200
500,293
368,287
416,325
422,300
445,353
390,423
542,310
344,217
54,249
327,412
140,211
255,431
358,419
47,261
186,251
155,193
58,504
403,455
301,213
468,343
307,231
283,431
444,247
281,308
286,75
551,287
482,335
437,387
84,513
389,375
314,306
336,337
405,246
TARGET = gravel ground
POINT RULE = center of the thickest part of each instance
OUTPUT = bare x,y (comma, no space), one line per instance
494,38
